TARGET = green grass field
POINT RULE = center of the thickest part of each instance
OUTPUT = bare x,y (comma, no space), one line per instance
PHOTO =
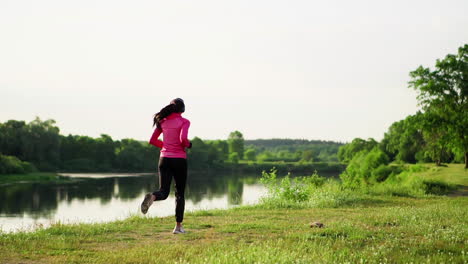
378,229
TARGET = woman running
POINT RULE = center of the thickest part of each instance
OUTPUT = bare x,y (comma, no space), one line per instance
173,158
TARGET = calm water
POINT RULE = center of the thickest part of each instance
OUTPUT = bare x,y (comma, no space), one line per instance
107,197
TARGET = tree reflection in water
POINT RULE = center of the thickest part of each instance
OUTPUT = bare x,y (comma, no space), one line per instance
40,200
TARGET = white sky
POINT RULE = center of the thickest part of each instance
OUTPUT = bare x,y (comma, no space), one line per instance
330,70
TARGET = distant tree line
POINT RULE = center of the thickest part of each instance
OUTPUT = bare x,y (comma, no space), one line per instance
40,144
25,147
292,150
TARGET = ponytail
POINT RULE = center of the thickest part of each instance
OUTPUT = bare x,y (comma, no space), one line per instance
176,106
165,112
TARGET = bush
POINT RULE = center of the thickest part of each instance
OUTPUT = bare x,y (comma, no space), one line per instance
13,165
382,172
303,192
315,180
286,189
360,170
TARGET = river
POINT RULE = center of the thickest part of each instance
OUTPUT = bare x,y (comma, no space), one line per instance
93,198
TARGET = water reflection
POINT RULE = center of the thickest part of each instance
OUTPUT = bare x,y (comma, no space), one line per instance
109,197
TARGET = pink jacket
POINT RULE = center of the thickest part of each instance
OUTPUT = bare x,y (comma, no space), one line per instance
175,131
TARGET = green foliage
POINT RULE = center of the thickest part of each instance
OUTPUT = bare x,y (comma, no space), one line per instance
308,155
294,150
234,157
411,182
198,155
304,192
444,92
13,165
360,170
315,180
250,154
37,142
288,189
86,154
382,172
422,137
236,143
404,140
435,136
347,152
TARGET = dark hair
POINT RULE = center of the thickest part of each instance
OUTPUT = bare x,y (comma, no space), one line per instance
176,106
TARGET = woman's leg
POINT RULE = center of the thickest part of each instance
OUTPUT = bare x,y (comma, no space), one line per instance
165,178
180,179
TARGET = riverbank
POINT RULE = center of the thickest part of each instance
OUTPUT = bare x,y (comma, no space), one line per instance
296,168
372,229
33,177
381,229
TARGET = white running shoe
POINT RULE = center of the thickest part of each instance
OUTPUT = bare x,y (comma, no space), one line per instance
147,202
178,230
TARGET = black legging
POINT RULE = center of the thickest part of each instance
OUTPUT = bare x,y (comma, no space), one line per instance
177,168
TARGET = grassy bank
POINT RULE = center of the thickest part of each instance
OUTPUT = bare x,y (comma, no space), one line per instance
368,229
32,177
297,168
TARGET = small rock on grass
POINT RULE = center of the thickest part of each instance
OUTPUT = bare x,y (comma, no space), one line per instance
316,224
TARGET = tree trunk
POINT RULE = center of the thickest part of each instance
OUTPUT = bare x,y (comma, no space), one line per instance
438,162
466,160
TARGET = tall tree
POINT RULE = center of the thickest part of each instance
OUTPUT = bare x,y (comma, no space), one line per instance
236,143
445,90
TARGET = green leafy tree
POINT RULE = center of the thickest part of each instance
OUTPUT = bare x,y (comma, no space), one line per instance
347,152
445,90
222,148
436,138
404,140
250,154
198,155
37,142
236,143
13,138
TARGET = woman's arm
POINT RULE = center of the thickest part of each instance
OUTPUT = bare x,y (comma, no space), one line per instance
184,134
154,138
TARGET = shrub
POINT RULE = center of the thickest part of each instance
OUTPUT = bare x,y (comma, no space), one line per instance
360,170
315,179
287,189
13,165
302,192
382,172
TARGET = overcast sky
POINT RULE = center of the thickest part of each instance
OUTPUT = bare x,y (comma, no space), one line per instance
330,70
